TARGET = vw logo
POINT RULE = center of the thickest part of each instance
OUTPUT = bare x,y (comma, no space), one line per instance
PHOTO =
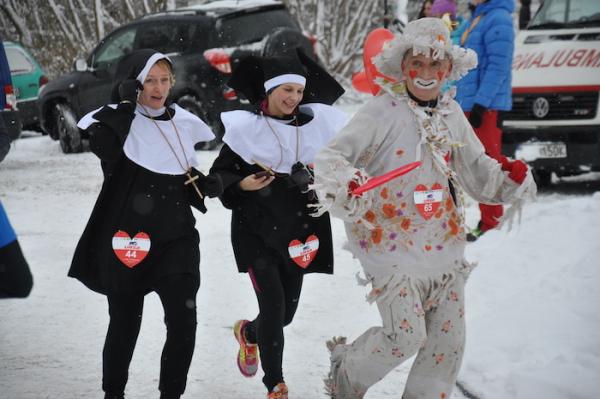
541,107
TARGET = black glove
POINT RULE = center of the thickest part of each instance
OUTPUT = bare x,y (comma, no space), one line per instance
128,92
118,120
301,177
476,116
212,185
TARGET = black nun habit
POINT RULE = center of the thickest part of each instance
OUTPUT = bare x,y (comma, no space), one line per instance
276,219
142,227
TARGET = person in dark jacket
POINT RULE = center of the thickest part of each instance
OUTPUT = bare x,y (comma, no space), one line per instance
15,278
524,14
265,165
486,90
4,140
141,236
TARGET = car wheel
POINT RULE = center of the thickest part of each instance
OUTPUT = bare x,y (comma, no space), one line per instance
282,40
543,178
193,105
66,127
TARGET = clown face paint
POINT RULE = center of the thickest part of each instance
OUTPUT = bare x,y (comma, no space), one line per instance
424,75
426,84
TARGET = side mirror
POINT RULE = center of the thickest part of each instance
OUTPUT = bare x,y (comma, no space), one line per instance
81,65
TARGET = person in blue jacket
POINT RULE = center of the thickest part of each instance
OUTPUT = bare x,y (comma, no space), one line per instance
15,278
486,90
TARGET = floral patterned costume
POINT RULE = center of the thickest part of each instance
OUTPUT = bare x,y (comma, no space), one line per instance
409,234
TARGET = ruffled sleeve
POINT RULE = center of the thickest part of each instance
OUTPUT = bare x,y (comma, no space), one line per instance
343,160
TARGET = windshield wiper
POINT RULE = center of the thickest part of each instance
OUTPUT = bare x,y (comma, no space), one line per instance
593,20
548,25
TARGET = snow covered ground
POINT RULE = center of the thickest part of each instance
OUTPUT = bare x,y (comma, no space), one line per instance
532,303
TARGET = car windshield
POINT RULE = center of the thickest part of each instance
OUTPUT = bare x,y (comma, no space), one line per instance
249,28
168,38
557,14
114,47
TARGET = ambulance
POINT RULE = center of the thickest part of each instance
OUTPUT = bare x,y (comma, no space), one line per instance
554,124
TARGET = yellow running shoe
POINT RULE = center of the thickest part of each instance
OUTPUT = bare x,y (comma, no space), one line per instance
247,359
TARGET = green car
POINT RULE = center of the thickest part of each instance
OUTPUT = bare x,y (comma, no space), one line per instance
27,77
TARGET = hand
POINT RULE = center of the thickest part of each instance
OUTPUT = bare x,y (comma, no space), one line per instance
476,115
356,181
517,170
301,177
212,186
128,90
253,183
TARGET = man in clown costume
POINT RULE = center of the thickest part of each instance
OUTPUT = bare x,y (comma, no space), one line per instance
409,233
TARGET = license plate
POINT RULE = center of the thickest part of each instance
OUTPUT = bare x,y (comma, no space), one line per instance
533,151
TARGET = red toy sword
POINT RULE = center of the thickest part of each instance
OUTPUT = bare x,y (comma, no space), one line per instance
384,178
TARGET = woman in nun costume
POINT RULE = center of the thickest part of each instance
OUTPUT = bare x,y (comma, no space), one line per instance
265,165
141,236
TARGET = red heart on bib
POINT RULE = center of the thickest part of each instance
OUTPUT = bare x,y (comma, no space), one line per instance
428,200
131,251
304,253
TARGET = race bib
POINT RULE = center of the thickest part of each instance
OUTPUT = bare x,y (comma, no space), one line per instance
304,253
131,251
428,200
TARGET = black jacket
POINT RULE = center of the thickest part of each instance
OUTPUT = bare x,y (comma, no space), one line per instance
134,199
271,218
4,140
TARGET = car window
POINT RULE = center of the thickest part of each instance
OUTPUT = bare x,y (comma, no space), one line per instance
115,47
584,10
249,28
18,61
166,38
567,12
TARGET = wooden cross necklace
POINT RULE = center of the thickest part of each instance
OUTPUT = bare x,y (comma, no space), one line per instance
280,145
188,171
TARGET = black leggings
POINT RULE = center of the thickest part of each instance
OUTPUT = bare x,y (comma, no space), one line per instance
278,293
178,296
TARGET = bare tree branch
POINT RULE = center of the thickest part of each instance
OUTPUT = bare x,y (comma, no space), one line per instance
99,19
9,9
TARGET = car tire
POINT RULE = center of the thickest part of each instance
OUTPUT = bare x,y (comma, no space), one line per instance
67,130
193,105
543,178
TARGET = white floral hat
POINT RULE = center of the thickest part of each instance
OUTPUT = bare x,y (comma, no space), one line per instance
427,36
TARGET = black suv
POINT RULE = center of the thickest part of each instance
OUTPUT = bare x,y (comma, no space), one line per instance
202,41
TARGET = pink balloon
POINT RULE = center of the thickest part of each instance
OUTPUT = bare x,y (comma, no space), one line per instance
373,46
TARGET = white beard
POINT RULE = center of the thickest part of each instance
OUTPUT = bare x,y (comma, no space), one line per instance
426,84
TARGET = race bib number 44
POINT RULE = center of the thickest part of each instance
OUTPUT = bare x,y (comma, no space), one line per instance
131,251
428,200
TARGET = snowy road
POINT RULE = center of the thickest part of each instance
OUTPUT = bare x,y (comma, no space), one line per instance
532,317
